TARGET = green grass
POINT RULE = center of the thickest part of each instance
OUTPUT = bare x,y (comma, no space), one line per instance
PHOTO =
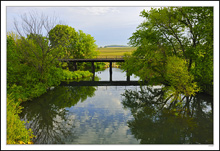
114,52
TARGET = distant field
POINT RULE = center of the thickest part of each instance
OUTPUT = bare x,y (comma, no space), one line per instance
114,52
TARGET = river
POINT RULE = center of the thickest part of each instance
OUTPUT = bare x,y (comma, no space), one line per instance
116,115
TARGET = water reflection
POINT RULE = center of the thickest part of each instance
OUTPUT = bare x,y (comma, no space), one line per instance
79,115
49,118
158,121
102,115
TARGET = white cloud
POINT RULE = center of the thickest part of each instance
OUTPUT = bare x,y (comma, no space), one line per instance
108,25
101,10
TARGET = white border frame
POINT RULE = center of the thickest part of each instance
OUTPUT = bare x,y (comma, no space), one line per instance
4,4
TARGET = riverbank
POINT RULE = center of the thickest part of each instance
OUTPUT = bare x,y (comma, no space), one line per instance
17,132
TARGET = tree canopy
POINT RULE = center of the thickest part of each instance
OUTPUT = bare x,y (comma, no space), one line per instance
74,44
183,32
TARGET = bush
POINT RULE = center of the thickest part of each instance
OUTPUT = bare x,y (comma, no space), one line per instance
16,131
180,80
69,75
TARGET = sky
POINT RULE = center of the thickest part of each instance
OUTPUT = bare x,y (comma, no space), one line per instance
108,25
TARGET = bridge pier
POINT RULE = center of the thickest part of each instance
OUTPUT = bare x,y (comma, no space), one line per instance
93,71
75,66
128,78
110,71
72,66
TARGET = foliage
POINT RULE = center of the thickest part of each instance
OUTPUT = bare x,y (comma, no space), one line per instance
148,65
32,60
183,32
99,65
31,69
23,79
36,53
74,44
69,75
181,81
16,130
33,46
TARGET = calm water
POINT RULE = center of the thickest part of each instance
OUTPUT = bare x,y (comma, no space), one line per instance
117,115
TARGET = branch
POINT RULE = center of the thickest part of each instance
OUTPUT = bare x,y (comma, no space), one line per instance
169,41
172,33
176,36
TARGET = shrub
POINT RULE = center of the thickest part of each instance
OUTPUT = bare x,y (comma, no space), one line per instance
69,75
16,131
180,80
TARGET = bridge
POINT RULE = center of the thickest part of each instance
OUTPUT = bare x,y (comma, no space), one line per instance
110,60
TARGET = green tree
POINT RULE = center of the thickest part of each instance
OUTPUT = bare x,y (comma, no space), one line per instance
33,46
35,52
184,32
74,44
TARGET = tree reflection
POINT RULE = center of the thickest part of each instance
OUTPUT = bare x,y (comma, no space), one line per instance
48,115
162,121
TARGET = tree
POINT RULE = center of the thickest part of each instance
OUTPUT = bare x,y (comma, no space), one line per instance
184,32
33,46
74,44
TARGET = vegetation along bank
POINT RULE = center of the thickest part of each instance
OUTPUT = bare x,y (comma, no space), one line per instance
33,66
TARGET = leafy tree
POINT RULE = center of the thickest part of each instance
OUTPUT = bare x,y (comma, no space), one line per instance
12,64
74,44
184,32
35,52
33,46
28,76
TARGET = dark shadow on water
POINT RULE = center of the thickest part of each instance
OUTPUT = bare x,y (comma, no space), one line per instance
157,121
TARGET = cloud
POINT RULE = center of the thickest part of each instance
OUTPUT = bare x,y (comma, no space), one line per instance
101,10
108,25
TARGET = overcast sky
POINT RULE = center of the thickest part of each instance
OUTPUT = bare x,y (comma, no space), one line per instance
108,25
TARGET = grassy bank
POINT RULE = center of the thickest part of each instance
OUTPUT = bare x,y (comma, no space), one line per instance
16,94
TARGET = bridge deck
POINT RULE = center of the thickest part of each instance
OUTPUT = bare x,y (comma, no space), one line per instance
94,60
